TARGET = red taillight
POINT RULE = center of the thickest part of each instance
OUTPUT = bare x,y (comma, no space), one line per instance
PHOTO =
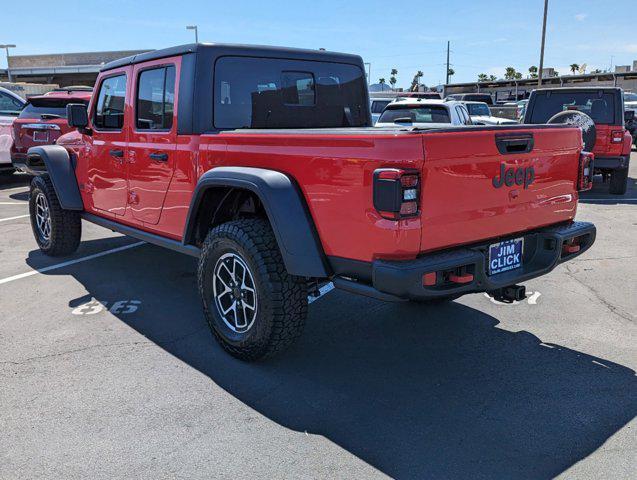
617,136
396,192
585,173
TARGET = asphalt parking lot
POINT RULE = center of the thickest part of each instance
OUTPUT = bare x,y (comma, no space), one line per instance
107,370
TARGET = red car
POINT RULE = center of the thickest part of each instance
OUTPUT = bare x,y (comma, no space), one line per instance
43,120
263,163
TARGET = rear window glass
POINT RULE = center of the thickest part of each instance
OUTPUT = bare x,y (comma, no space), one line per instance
47,107
433,114
630,97
277,93
601,108
379,105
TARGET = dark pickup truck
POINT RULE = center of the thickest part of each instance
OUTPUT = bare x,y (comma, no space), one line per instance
262,162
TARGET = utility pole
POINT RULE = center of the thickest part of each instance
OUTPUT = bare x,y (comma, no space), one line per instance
194,27
7,47
539,77
447,80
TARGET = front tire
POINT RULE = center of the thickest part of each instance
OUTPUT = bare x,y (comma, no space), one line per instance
618,181
254,308
57,231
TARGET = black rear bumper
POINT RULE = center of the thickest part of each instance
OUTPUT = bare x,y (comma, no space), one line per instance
611,163
543,251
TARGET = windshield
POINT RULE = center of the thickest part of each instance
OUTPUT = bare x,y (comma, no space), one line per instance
601,108
52,107
630,97
479,109
424,114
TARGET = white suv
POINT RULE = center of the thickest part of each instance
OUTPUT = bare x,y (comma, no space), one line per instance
10,106
423,113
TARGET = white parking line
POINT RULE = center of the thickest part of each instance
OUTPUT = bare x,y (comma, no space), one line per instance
12,218
14,203
70,262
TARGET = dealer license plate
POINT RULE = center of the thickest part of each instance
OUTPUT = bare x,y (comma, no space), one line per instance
505,256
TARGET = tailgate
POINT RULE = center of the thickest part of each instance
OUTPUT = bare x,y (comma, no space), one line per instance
33,133
465,198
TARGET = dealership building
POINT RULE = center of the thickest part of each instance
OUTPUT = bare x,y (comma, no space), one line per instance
62,69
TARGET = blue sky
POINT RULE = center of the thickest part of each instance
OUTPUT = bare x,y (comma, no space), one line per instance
486,36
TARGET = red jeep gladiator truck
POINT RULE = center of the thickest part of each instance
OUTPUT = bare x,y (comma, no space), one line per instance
599,111
263,163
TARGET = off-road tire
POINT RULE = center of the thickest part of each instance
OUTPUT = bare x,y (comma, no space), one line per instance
66,225
281,297
618,181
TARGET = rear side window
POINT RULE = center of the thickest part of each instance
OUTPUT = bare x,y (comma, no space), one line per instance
9,105
278,93
47,108
155,99
433,114
109,111
379,105
600,107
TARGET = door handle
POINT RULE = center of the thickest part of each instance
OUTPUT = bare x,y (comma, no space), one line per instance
160,157
116,153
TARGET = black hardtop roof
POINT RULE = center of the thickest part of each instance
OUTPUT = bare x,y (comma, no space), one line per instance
236,49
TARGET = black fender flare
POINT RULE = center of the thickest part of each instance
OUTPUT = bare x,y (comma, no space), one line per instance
286,209
60,169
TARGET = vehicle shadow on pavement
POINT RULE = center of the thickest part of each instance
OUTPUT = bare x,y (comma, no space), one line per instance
599,194
416,391
13,181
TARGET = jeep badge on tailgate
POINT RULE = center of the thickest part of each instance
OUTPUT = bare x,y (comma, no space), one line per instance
519,176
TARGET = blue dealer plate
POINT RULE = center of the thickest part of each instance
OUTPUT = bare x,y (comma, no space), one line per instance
505,256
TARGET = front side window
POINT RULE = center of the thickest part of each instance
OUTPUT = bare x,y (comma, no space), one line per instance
109,111
279,93
432,114
155,99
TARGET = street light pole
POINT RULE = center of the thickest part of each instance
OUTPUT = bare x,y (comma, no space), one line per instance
193,27
539,77
7,47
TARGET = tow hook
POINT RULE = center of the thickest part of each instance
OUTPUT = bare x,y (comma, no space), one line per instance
509,294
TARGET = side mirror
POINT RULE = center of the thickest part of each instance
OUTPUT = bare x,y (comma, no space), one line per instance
629,115
77,115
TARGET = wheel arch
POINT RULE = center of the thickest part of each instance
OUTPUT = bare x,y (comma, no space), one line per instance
60,169
283,204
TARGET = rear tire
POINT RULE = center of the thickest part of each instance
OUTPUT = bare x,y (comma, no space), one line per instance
618,181
57,231
254,308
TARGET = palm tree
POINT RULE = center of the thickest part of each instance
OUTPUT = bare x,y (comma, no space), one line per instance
483,77
416,81
451,72
509,74
574,67
533,71
492,78
392,79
